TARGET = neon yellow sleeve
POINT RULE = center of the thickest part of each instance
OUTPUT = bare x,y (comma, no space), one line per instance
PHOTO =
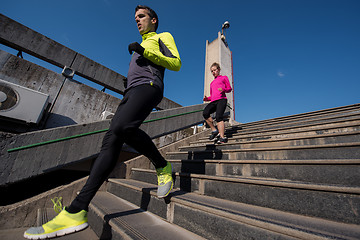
169,57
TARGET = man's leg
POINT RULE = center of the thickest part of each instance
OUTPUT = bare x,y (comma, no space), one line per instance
127,116
74,217
140,141
102,167
136,105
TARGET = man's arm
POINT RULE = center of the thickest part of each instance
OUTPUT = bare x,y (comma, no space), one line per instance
166,55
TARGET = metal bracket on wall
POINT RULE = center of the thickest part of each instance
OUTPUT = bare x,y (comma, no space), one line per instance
68,72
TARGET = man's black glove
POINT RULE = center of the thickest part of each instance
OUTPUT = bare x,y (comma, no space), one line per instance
135,46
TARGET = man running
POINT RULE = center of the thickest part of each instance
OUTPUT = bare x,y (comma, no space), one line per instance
143,93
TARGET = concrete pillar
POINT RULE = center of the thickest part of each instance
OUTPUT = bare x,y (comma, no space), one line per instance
218,51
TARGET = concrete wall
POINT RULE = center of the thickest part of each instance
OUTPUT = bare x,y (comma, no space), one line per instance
71,102
77,143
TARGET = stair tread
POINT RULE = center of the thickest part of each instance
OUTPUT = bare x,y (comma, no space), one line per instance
332,145
253,215
251,140
306,121
274,161
136,222
269,182
291,129
338,110
245,133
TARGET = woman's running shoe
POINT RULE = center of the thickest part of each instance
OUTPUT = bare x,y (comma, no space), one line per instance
214,134
222,140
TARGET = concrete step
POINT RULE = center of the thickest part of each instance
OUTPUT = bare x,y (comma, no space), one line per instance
214,218
323,171
332,202
114,218
325,151
308,131
347,137
327,113
299,128
303,124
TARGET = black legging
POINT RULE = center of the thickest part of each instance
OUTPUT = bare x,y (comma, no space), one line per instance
137,104
217,106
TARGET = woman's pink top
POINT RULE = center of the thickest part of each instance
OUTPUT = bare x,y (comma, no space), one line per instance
219,82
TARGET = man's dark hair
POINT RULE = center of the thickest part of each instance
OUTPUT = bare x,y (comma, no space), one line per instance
152,13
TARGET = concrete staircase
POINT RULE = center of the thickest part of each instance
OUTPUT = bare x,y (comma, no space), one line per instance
296,177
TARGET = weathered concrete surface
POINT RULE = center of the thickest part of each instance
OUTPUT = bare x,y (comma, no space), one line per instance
164,125
27,74
79,103
25,213
26,163
18,36
31,162
167,104
71,102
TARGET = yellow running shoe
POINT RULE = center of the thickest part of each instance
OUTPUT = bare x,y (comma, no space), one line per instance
165,180
62,224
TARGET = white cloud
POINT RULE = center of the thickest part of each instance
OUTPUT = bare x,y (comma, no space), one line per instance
280,74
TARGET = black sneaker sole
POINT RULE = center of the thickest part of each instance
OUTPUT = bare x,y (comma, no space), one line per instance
216,137
220,142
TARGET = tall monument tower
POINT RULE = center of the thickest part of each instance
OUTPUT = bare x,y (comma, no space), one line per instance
219,51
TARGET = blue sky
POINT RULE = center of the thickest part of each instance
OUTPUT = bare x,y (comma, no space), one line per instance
289,56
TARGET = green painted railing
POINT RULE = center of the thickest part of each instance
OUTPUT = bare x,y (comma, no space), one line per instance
90,133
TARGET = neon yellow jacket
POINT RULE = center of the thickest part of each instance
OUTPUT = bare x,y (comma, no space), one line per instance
160,52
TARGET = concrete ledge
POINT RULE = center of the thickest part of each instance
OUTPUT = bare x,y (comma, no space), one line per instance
21,164
24,213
